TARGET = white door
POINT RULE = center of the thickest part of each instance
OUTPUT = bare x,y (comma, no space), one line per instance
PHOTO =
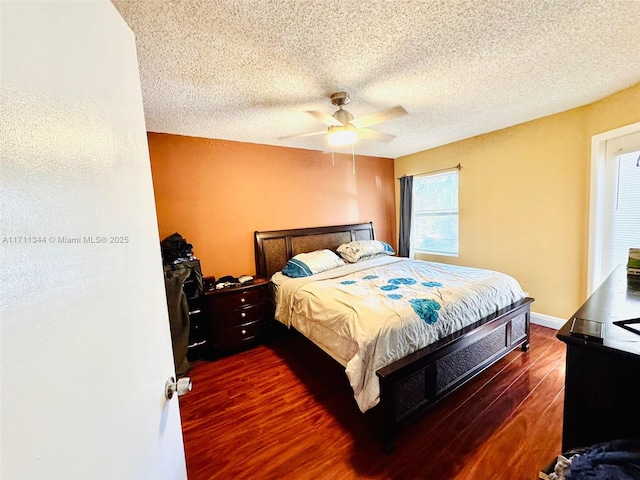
84,335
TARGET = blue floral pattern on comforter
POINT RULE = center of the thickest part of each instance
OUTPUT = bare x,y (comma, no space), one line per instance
369,315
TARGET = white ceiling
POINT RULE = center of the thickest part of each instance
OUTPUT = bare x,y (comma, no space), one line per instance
247,70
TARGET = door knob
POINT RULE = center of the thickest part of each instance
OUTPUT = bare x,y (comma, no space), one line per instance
182,386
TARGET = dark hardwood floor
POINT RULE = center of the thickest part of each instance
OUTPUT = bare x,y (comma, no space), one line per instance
285,410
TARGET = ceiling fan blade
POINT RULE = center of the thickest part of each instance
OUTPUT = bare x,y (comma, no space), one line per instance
324,118
378,117
369,134
322,132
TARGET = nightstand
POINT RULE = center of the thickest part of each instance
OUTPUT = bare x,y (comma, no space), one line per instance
239,316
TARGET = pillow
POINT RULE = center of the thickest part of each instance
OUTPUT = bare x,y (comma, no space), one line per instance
307,264
361,250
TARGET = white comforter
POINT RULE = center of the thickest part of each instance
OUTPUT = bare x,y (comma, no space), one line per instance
367,315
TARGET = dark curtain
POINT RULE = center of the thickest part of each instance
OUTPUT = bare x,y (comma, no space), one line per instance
406,200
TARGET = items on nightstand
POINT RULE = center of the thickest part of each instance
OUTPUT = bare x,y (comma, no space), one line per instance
230,281
239,315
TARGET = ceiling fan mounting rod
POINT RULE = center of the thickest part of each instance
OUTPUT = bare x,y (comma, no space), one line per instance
340,99
343,116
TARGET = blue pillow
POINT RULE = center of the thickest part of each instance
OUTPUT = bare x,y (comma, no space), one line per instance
307,264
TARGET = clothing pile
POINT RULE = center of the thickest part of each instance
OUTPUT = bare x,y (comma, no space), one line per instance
615,460
176,249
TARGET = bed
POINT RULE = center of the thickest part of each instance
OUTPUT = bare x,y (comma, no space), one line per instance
421,371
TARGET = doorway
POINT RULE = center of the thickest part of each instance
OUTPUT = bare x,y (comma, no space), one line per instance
614,225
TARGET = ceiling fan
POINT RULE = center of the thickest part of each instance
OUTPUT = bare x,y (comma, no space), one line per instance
343,129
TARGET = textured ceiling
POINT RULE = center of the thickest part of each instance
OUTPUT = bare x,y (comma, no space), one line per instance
247,70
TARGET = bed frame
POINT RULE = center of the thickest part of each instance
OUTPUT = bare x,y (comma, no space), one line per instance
413,383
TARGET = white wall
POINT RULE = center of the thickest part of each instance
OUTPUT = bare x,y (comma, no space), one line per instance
84,333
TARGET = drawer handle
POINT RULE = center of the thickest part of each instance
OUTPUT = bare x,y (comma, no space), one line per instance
243,314
242,300
244,332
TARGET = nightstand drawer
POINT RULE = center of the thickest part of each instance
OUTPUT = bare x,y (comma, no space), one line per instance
241,332
239,299
238,316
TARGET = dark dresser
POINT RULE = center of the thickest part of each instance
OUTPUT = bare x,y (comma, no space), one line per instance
194,291
602,383
187,312
239,317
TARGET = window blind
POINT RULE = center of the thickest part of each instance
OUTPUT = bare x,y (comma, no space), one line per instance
434,225
621,209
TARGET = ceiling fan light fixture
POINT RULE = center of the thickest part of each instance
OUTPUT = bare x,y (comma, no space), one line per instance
340,136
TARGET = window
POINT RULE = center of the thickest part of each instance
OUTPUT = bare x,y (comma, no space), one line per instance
614,200
434,227
621,210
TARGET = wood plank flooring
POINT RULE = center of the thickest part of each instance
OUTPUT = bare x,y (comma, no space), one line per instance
285,410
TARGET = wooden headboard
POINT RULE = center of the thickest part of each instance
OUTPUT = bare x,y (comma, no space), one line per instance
274,248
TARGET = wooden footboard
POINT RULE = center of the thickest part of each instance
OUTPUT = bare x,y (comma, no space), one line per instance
419,380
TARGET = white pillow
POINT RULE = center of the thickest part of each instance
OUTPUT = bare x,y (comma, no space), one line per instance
361,250
307,264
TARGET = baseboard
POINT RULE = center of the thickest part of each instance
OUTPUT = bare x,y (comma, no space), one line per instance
547,320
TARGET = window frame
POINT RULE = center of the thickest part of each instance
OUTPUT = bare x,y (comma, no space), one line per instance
448,212
596,201
620,225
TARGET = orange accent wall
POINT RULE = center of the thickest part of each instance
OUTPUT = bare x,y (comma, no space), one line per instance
216,193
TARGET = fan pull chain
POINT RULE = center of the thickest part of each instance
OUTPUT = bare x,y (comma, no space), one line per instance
618,183
353,160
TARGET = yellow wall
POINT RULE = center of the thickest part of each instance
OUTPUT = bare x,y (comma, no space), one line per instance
524,198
